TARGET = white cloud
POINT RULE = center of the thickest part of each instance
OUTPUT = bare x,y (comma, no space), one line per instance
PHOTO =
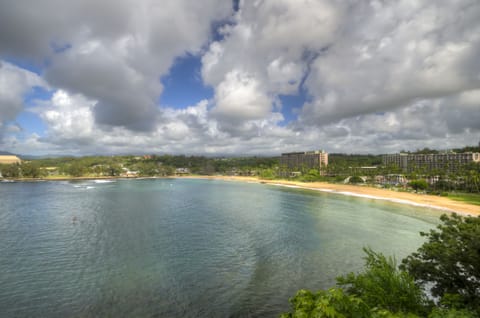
113,52
240,97
69,119
15,83
378,76
401,52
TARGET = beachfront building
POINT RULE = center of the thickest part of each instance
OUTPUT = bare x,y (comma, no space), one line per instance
9,159
450,162
304,160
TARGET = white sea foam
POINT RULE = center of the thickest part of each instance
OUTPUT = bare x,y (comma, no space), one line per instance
103,181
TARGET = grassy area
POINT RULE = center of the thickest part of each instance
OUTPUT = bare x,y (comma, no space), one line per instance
472,198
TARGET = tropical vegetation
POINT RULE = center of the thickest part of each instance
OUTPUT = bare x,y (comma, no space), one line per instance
357,169
441,279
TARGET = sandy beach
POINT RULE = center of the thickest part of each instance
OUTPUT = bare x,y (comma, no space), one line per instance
422,200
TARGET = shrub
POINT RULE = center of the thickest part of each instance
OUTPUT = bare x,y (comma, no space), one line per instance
449,262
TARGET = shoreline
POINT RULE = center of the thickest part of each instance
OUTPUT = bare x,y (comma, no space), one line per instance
444,204
419,200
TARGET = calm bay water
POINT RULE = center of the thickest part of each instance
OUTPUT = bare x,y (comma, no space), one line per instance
184,248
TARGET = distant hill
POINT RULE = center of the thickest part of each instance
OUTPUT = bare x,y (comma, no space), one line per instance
23,157
6,153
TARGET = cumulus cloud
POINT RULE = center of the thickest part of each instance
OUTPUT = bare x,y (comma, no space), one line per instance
401,52
71,129
240,97
113,52
15,83
270,45
377,76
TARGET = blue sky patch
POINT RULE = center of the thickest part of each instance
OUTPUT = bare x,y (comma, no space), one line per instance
183,85
291,104
60,48
31,123
25,64
37,93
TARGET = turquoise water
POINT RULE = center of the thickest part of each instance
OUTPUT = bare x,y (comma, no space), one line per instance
184,248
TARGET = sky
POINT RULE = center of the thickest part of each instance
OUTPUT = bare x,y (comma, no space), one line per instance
257,77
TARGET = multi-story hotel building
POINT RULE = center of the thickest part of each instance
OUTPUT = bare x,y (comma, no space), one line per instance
450,162
304,160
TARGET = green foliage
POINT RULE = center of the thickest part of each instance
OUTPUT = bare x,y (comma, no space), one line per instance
311,176
418,184
345,165
76,169
381,290
339,178
356,179
449,262
164,165
31,170
468,149
382,285
452,313
333,303
472,198
10,170
425,151
267,174
148,168
113,170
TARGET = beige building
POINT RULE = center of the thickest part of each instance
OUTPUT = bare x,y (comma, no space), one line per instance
8,159
428,162
304,160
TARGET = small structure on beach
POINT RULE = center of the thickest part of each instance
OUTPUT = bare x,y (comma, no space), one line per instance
182,171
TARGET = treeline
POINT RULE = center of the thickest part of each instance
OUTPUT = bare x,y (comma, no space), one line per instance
26,170
440,280
150,165
427,150
341,168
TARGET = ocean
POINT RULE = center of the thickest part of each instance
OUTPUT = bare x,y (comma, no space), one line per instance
184,247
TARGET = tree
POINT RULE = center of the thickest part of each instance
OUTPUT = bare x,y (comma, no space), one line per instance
148,168
381,290
10,170
449,262
382,285
356,179
31,170
311,175
76,169
113,169
267,174
418,184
